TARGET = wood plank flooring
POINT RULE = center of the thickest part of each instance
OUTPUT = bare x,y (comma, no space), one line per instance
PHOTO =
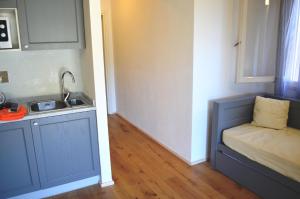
142,169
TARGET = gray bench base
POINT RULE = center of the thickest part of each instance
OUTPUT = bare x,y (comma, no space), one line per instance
231,112
256,178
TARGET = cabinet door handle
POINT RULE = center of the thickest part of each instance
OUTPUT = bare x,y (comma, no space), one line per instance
35,124
26,46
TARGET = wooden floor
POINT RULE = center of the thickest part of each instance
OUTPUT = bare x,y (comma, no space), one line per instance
143,169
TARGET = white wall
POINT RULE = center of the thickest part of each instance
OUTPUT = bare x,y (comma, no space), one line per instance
36,73
153,48
172,58
214,67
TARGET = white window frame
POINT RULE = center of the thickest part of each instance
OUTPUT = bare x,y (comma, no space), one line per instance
240,78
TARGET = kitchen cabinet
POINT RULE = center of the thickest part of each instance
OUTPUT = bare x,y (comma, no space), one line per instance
66,148
47,152
8,3
55,24
18,168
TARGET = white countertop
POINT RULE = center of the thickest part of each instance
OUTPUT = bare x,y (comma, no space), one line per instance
36,115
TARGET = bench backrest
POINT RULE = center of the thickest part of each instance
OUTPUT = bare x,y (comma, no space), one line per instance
294,113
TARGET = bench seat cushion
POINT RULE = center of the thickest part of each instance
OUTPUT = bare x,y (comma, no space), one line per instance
278,150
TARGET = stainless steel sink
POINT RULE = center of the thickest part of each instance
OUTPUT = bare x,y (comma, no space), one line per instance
47,106
75,102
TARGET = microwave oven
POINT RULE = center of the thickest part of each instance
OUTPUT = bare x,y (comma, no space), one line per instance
5,35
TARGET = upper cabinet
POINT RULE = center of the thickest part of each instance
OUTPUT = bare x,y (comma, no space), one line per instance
8,3
55,24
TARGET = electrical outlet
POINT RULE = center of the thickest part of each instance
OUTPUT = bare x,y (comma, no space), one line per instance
3,77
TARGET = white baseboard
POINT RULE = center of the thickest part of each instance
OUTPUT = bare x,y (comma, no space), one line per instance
190,163
197,162
107,184
60,189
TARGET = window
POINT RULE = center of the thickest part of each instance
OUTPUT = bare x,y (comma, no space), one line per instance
258,24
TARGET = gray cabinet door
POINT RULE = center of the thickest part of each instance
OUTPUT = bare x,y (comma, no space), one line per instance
8,3
18,169
66,148
55,24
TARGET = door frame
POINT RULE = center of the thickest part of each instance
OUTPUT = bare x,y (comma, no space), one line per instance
109,63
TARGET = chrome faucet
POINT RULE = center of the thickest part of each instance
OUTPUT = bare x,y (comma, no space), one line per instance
65,92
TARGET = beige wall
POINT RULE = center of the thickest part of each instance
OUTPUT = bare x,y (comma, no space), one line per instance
172,58
214,67
153,48
88,72
36,73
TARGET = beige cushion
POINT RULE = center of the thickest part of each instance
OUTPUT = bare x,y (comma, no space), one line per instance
271,113
276,149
